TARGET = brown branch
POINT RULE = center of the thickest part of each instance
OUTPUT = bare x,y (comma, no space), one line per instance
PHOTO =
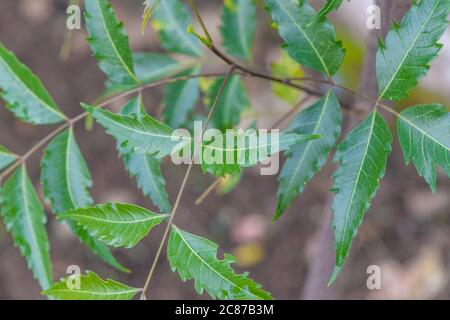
183,184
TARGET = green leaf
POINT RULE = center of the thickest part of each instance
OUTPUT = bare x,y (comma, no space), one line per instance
329,6
109,42
91,287
231,103
362,158
409,48
286,67
24,93
145,135
180,98
304,160
238,27
424,133
116,224
145,168
6,157
249,148
66,182
24,217
196,258
171,20
314,46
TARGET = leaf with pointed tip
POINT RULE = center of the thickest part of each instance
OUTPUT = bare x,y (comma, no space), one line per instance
151,66
329,6
66,182
109,42
314,47
409,48
145,135
225,154
24,93
286,67
145,168
196,258
116,224
424,133
231,103
171,20
238,27
6,157
362,158
180,98
92,287
304,160
24,217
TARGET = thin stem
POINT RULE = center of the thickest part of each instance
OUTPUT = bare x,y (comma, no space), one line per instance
200,20
183,184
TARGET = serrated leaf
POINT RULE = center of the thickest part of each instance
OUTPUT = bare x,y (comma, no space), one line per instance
196,258
304,160
171,20
180,98
24,217
109,42
151,66
231,103
286,67
6,157
24,93
145,168
116,224
66,182
362,158
424,133
409,48
238,27
314,47
329,6
145,135
221,158
91,287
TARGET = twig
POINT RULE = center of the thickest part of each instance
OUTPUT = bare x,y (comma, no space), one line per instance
183,184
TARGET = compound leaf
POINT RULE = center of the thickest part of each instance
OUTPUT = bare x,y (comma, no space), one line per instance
196,258
238,27
304,160
116,224
424,133
109,42
171,20
24,93
409,48
145,168
24,217
66,182
91,287
314,46
362,158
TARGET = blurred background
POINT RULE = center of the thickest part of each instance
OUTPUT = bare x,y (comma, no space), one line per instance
406,232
